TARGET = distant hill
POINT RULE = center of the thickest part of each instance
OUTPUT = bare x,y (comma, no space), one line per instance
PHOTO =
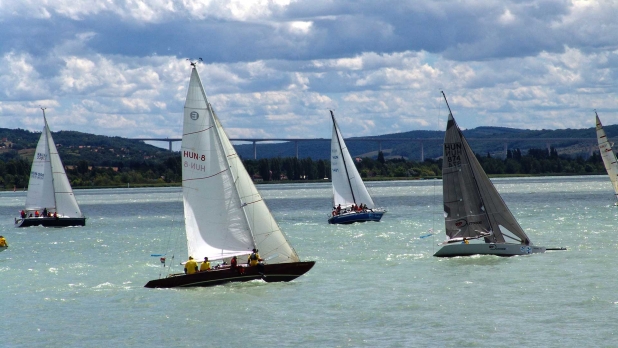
482,139
97,150
102,150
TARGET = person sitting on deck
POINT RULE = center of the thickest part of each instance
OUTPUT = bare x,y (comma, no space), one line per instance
190,266
56,215
205,266
3,242
254,258
36,213
23,214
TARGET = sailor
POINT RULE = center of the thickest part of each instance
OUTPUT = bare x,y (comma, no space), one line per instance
36,213
254,258
3,242
190,266
339,209
234,262
44,212
23,214
205,266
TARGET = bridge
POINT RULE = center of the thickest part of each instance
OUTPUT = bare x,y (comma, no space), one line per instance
380,140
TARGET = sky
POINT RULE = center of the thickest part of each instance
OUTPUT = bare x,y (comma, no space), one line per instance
274,68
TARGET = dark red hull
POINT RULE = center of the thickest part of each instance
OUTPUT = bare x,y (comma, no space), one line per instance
50,222
280,272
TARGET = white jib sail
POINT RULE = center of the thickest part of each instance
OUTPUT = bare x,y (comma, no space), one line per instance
66,205
608,155
348,186
224,213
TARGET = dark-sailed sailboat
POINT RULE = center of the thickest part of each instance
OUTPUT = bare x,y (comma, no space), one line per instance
349,190
609,157
50,201
225,216
477,220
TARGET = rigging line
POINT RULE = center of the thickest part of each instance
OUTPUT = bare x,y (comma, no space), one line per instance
199,131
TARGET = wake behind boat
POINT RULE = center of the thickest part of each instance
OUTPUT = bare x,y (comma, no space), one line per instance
477,220
225,216
50,201
608,155
352,202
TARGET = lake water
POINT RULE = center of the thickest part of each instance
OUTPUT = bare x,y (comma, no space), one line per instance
374,284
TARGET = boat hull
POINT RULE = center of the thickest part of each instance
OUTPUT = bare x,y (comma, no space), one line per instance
50,222
3,249
356,217
281,272
461,249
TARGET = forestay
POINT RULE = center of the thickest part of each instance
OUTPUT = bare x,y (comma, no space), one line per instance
608,155
225,215
472,206
348,186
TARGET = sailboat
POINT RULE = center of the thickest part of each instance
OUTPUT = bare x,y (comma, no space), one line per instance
50,201
225,216
608,155
349,191
477,220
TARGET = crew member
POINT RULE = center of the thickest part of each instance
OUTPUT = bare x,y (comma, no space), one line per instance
190,266
3,242
254,258
205,266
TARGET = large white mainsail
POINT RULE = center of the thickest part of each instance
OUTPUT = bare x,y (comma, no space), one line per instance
225,215
348,186
472,206
608,155
49,186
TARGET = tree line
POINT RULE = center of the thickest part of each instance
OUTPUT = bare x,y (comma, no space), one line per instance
15,172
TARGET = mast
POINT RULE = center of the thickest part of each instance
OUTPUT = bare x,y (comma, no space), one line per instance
49,158
476,185
341,154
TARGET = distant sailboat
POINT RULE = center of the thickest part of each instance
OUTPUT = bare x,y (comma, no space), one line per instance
49,190
348,187
608,155
225,215
477,220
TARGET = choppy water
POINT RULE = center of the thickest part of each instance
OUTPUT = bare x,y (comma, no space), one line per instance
374,284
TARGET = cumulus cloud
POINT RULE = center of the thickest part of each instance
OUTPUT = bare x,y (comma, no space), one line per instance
275,68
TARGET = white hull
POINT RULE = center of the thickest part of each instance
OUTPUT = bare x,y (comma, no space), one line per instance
460,249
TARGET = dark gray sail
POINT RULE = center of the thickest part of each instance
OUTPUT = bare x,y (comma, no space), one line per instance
473,207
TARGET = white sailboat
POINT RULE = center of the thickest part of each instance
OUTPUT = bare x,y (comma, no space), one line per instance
50,200
348,187
608,155
225,216
477,220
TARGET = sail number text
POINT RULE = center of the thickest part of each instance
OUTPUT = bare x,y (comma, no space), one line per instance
194,156
452,154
